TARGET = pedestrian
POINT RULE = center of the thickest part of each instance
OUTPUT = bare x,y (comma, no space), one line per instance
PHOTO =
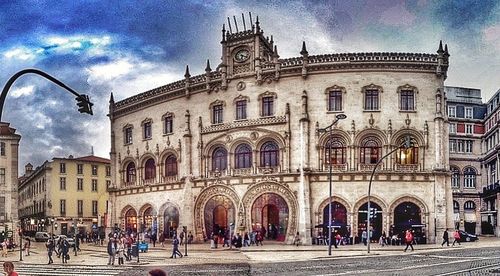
153,238
190,237
77,245
120,252
383,239
252,238
364,237
181,237
162,239
246,240
239,242
4,248
259,239
446,238
50,249
456,237
175,248
63,250
338,239
111,251
27,246
296,239
409,240
8,268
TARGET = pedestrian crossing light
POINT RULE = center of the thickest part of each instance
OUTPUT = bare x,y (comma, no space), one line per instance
84,104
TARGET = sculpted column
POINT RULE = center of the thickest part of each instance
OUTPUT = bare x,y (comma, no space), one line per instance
304,187
186,214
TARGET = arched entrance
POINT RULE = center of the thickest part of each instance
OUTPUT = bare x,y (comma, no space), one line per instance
375,220
270,216
131,221
170,221
339,218
147,218
219,213
407,215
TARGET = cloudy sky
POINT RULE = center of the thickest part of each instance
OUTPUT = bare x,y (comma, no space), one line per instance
127,47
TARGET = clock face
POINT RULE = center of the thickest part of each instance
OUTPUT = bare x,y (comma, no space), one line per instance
242,55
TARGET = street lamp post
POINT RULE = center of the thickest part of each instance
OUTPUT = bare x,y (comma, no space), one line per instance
21,240
407,144
184,229
330,130
75,226
138,240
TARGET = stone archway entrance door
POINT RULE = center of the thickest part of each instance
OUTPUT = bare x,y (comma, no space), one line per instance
339,219
408,216
219,213
375,220
171,221
270,216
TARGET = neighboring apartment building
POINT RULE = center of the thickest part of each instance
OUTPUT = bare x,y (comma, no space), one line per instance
490,209
241,145
9,149
465,114
64,192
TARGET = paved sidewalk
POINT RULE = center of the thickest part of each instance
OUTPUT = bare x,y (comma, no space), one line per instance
92,255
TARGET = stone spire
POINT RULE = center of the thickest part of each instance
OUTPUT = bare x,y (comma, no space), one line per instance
187,75
304,52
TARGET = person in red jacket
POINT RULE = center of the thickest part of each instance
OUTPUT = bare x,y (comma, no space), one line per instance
456,237
409,240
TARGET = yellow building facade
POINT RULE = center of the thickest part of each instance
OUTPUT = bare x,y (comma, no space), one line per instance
63,193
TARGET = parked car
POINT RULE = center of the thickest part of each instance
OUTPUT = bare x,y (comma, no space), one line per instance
466,237
71,241
42,236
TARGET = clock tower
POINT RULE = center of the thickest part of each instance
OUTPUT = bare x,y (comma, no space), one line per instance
245,52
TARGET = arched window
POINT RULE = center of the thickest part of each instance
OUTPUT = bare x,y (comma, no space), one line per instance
469,206
370,150
150,169
243,156
171,165
337,150
407,156
219,159
2,149
130,173
455,177
469,178
269,154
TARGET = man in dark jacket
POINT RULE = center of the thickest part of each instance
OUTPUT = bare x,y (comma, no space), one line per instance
111,251
175,248
446,238
64,249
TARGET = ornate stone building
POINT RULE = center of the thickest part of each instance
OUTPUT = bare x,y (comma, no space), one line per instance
466,112
239,144
490,209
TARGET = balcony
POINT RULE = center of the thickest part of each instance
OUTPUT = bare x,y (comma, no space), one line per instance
368,167
335,167
491,189
407,167
268,170
242,171
217,173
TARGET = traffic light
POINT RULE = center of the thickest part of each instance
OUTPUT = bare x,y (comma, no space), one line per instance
184,229
373,212
84,104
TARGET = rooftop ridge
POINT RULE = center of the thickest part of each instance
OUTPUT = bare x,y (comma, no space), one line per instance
314,60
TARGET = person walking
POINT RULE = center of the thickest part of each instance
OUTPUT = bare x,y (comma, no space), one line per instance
364,237
456,238
50,249
111,251
120,252
181,237
8,268
246,239
4,248
27,246
161,239
409,240
63,250
446,238
259,239
153,238
296,239
175,248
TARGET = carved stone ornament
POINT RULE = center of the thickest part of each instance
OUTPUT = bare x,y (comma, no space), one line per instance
137,153
128,150
241,85
371,121
157,149
119,158
254,135
147,145
229,138
407,120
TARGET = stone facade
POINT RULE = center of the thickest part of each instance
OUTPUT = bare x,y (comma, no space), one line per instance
9,150
241,144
